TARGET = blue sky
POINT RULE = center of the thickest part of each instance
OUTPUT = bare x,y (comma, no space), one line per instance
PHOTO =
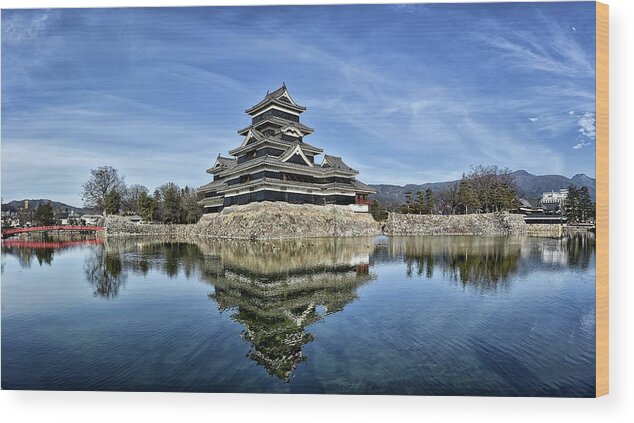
404,93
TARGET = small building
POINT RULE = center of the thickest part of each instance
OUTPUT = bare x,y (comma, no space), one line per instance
548,211
554,201
526,207
275,163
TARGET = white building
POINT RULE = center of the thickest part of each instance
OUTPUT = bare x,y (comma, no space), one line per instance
91,219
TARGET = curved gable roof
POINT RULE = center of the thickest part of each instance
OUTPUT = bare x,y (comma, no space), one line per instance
295,148
280,95
337,163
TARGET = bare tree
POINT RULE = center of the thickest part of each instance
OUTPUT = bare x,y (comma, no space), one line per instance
103,180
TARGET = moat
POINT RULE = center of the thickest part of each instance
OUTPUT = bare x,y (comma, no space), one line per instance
430,315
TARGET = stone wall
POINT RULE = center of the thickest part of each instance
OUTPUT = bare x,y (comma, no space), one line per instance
266,220
120,226
547,230
470,224
282,220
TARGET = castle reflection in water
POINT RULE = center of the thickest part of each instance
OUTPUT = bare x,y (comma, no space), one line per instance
276,289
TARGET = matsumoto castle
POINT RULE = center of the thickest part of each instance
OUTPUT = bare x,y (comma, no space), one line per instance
273,163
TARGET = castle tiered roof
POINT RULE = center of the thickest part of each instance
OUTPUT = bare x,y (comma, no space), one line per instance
274,163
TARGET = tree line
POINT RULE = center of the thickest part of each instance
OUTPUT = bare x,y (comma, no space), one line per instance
485,189
107,193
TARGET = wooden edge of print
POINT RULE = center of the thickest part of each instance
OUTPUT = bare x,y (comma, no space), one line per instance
602,220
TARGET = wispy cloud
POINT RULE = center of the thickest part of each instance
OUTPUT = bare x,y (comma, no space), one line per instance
529,51
19,28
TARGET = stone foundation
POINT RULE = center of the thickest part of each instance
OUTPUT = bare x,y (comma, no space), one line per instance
502,224
282,220
260,221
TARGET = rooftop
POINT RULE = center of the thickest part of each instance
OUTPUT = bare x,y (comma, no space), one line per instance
223,163
337,163
279,121
280,96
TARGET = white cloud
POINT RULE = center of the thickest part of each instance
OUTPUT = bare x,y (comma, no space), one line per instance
587,125
581,145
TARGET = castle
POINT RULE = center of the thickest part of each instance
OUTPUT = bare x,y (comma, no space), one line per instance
274,163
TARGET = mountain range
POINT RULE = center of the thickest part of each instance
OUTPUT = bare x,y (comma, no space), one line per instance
530,187
16,205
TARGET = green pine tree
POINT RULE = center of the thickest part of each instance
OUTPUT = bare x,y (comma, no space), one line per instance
112,202
419,206
43,215
430,202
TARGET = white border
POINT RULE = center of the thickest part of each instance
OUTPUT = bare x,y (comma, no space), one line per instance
97,407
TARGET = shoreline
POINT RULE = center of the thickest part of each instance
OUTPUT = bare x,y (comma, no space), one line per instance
270,221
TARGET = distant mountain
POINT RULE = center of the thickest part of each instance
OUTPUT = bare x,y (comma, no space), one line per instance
530,187
584,180
33,203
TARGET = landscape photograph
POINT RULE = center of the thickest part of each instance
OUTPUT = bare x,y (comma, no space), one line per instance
389,199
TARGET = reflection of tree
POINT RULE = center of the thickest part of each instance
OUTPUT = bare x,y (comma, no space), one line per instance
44,255
104,271
170,258
580,248
41,248
483,264
25,255
488,263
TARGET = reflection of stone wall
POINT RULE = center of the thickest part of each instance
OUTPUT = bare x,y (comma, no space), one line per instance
545,230
468,224
261,221
452,246
283,256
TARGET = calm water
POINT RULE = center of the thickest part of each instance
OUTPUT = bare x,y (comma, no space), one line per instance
403,315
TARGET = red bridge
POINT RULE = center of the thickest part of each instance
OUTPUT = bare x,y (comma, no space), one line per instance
67,228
